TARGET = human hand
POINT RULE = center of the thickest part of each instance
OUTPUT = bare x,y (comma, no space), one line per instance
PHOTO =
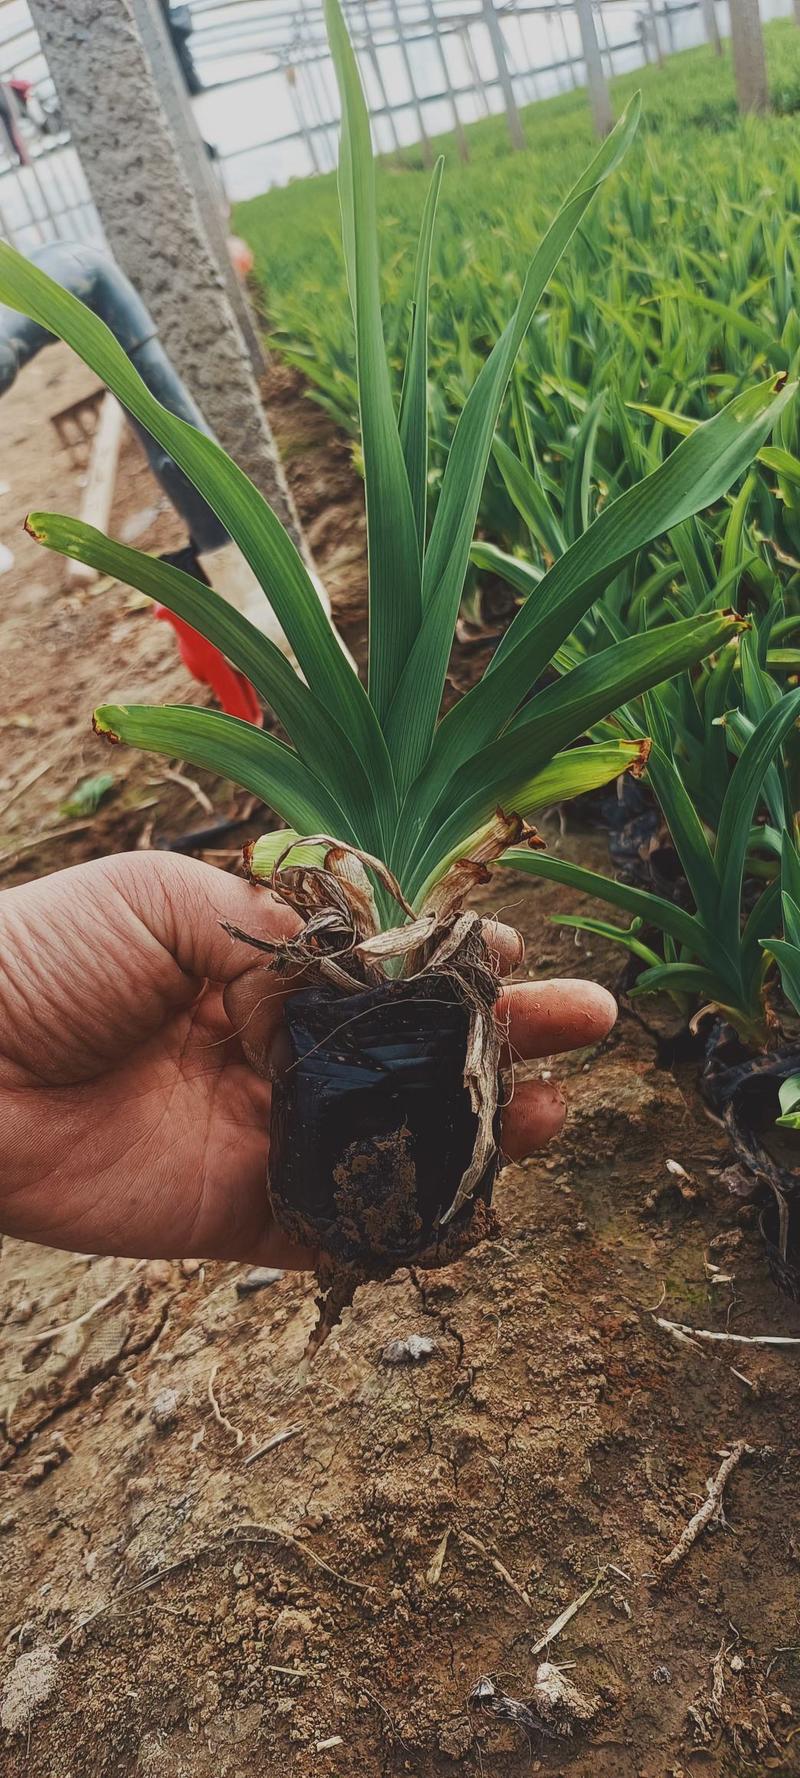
133,1116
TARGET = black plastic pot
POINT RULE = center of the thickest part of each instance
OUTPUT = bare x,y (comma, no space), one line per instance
742,1089
372,1126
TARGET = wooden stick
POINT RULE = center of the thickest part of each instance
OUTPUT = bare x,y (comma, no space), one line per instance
499,1567
99,491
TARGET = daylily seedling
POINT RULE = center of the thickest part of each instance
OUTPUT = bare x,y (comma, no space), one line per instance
407,807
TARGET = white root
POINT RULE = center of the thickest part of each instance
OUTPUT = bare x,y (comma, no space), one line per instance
172,775
704,1333
103,1302
221,1419
559,1702
705,1513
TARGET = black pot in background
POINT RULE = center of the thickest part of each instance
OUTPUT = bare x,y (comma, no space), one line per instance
742,1089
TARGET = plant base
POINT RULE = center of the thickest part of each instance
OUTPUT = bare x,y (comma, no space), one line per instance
742,1089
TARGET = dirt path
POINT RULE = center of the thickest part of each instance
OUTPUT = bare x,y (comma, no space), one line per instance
329,1605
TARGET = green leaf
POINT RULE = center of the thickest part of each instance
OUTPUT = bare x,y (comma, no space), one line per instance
789,1098
530,500
681,423
688,835
265,852
315,733
600,684
87,796
522,576
516,788
677,978
394,555
567,709
782,462
731,561
739,807
412,718
243,511
578,491
684,928
790,868
606,929
761,337
266,767
414,398
697,473
787,957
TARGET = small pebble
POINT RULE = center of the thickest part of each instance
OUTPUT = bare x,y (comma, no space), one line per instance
164,1409
158,1271
23,1310
412,1350
257,1279
190,1267
58,1452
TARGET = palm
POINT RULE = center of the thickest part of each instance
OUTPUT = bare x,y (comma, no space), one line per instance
174,1137
133,1116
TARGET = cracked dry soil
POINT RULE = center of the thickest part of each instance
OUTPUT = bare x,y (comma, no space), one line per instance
172,1609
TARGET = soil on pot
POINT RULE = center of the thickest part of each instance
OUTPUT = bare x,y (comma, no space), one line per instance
305,1568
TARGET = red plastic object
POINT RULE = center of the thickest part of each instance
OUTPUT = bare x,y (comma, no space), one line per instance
232,690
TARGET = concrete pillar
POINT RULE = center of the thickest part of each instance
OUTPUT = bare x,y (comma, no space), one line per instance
711,27
203,179
602,115
749,64
134,169
494,28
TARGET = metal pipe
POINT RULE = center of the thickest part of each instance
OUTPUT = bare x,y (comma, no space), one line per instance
99,283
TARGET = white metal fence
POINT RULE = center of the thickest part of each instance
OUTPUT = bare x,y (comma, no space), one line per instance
268,105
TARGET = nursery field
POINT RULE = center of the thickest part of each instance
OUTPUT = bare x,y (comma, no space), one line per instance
560,1533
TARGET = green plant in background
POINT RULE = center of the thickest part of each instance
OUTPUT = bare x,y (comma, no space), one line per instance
374,766
666,298
786,953
715,954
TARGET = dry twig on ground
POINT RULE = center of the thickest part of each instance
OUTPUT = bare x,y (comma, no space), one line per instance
565,1617
278,1438
710,1508
715,1338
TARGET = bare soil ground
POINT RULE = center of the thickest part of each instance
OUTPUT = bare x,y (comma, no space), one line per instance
174,1605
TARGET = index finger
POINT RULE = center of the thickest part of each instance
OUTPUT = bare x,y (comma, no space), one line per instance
541,1018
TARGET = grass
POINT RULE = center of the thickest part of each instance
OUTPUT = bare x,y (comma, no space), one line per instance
679,288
